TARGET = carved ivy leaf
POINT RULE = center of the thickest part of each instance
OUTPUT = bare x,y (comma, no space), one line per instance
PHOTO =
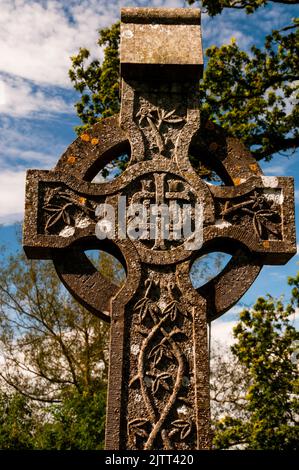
59,205
66,218
58,212
158,352
53,219
171,118
75,202
161,381
135,428
265,218
173,309
146,307
262,223
270,226
257,226
174,120
181,426
52,207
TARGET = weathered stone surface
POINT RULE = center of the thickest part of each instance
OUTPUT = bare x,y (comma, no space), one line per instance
161,43
158,394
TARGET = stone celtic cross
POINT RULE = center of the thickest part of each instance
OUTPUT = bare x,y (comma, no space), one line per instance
158,392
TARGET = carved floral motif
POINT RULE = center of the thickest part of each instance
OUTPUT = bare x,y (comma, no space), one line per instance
66,210
264,213
159,122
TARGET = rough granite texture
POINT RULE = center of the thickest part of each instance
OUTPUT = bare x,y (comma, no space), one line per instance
158,395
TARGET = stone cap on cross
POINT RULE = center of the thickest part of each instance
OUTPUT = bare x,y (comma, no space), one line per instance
158,369
161,43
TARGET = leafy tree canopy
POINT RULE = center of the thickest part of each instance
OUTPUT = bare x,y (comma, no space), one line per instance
17,423
265,345
253,95
76,424
53,359
214,7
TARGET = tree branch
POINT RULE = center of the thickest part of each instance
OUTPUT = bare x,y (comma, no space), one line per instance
287,2
28,395
276,146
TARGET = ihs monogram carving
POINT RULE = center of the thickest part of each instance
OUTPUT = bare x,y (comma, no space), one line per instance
167,202
160,126
162,384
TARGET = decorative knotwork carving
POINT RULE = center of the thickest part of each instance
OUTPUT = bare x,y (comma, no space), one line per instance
167,210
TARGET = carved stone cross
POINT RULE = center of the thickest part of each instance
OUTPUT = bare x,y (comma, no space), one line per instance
158,396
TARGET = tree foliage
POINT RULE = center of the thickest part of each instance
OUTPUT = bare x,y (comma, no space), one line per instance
97,83
229,383
17,422
78,423
54,356
265,343
214,7
54,353
54,368
253,95
39,321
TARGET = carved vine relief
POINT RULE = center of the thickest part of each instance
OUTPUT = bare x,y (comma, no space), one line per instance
261,208
162,381
65,210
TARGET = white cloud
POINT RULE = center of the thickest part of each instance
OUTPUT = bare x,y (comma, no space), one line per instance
248,30
280,165
28,143
222,332
2,94
222,328
12,191
20,99
220,31
37,38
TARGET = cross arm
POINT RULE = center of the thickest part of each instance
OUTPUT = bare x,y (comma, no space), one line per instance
59,225
257,214
59,210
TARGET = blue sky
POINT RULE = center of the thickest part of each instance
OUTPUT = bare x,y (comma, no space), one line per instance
37,100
